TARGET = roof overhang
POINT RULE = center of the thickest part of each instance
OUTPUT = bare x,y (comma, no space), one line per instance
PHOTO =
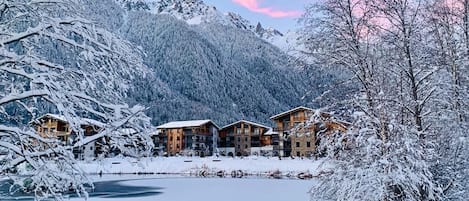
186,124
245,121
277,116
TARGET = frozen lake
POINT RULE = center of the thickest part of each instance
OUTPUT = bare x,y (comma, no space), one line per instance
151,188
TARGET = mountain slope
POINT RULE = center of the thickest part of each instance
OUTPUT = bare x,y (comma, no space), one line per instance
207,70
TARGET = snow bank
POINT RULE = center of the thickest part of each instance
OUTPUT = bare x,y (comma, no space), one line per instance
194,165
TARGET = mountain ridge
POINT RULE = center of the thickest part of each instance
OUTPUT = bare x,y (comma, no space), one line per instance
196,12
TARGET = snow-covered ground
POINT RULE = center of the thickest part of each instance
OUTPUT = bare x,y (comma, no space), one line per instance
196,165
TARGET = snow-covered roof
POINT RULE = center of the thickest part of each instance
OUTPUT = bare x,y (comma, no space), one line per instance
185,124
127,131
290,111
84,121
93,122
244,121
54,116
271,132
155,133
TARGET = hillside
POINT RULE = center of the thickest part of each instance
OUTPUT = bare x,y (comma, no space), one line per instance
211,69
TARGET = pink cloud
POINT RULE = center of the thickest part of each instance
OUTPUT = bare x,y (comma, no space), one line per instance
254,5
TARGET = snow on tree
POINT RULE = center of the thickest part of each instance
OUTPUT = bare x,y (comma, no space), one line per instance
448,23
382,43
50,55
364,165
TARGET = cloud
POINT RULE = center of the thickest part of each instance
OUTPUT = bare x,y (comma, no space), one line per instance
254,5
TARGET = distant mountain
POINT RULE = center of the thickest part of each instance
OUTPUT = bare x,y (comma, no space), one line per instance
196,12
219,69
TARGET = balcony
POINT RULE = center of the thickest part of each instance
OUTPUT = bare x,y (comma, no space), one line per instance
56,133
282,129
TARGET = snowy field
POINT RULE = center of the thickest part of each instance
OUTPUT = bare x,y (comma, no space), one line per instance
195,165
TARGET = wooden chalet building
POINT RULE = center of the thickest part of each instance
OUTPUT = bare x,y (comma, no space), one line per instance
297,135
197,137
243,138
57,126
284,123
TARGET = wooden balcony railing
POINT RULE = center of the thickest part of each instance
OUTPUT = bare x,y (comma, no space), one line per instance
281,129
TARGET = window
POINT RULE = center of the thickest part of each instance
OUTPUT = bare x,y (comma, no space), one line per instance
177,138
297,144
256,131
239,139
308,144
91,148
246,139
245,146
177,146
170,138
297,153
296,115
246,129
239,147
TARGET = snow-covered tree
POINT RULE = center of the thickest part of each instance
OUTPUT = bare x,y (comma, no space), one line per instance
382,44
363,165
50,56
339,35
448,23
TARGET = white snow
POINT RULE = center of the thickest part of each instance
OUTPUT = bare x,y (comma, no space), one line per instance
271,132
184,124
190,165
289,111
195,20
245,121
54,116
85,121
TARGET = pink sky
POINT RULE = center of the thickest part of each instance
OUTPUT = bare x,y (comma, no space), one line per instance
256,6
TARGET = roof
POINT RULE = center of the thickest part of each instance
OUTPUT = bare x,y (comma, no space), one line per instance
270,132
185,124
290,111
93,122
54,116
244,121
84,121
155,133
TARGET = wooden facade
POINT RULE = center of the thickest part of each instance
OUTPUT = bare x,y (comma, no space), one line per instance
284,123
298,135
53,126
244,136
188,137
56,126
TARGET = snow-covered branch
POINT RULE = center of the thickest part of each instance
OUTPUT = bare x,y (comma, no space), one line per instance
63,61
